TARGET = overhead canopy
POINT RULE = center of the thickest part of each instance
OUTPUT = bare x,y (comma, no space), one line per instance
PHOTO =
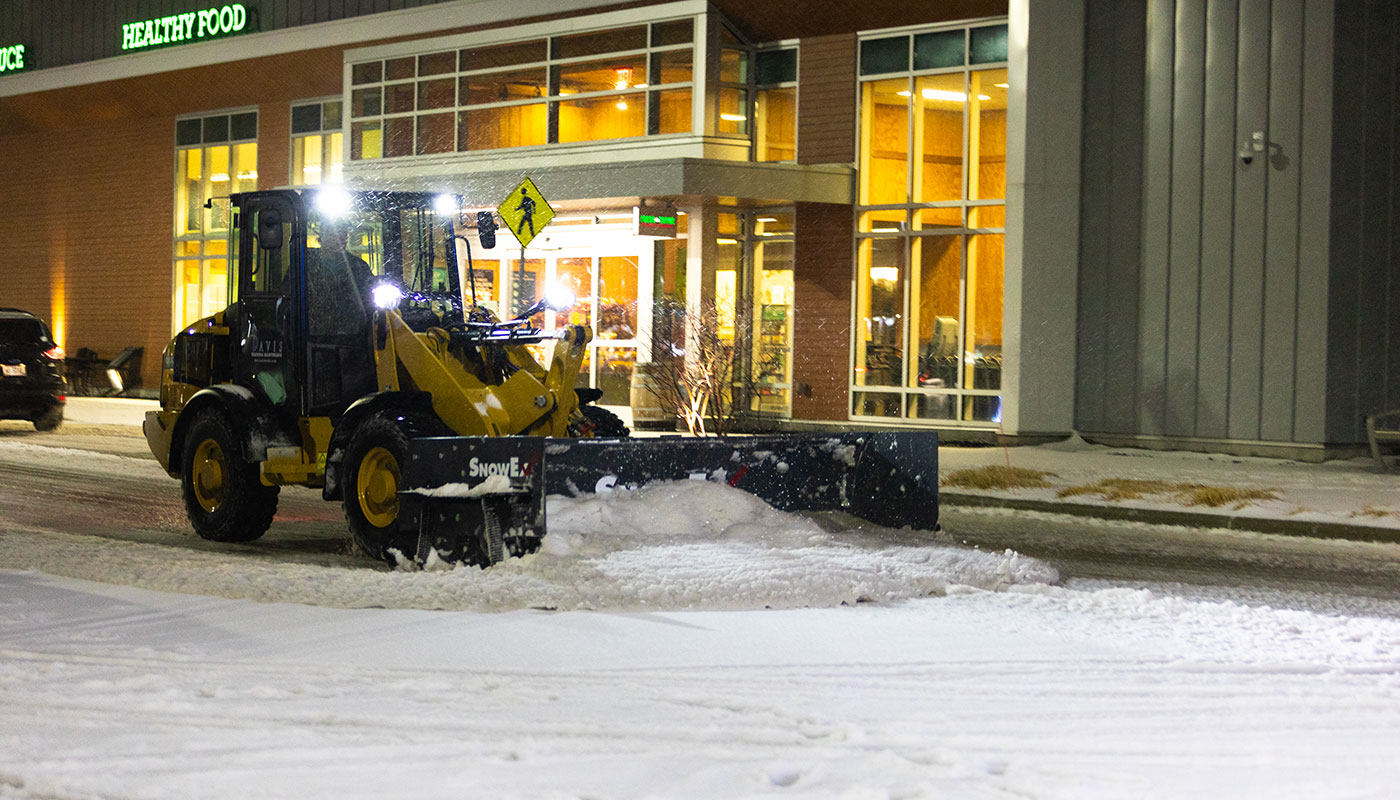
747,183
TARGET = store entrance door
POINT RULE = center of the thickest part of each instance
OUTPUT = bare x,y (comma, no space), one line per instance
610,274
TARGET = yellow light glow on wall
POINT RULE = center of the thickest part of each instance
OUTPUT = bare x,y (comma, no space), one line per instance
58,305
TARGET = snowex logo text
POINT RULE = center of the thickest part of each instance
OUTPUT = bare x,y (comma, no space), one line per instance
476,468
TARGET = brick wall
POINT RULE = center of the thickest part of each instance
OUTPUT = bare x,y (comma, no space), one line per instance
822,310
87,216
826,131
826,100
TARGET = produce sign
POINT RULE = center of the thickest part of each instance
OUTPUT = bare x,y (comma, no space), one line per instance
191,26
11,58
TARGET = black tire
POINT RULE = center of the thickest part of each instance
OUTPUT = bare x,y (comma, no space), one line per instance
49,420
378,449
594,422
224,497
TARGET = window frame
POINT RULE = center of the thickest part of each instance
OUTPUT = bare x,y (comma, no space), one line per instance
907,231
551,97
322,130
207,240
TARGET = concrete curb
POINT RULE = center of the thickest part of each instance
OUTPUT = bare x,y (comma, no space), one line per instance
1189,519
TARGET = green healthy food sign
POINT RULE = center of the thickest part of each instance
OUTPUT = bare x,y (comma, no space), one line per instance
191,26
11,58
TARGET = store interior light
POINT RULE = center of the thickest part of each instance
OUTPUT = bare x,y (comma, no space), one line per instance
943,94
890,274
622,105
1001,85
218,177
733,117
248,175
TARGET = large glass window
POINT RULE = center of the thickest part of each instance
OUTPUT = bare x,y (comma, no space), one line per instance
317,143
753,305
215,156
578,87
932,208
775,105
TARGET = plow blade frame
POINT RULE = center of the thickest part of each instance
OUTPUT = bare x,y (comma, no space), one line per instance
889,478
473,499
479,499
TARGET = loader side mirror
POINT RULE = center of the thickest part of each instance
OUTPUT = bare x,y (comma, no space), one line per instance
270,229
486,229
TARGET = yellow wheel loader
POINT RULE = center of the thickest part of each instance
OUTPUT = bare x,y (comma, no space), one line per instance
350,359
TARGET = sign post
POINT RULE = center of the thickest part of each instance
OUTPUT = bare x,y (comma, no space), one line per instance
525,212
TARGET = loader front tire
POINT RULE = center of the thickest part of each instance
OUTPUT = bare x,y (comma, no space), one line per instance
373,476
597,423
224,498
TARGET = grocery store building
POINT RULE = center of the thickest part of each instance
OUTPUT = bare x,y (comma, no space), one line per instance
1164,222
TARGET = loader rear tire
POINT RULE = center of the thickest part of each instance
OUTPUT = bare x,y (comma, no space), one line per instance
373,476
225,499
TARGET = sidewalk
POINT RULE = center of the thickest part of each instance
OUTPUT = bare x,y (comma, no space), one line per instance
1345,499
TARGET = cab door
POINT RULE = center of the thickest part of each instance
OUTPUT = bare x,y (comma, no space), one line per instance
268,324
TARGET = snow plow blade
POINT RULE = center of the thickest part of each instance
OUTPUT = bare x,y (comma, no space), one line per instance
890,479
478,500
472,499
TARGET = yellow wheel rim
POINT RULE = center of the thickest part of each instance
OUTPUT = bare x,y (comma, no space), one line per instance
377,486
209,471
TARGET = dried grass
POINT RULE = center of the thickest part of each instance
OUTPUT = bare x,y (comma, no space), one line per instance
1371,511
1190,494
998,477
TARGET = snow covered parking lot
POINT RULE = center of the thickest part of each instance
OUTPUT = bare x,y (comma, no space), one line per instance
700,645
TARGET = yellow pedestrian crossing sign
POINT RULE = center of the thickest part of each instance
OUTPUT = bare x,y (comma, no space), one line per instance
525,211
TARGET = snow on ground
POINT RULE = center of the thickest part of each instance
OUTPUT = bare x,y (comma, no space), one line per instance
1036,692
702,650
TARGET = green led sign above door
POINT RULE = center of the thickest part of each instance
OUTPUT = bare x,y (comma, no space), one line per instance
11,59
190,26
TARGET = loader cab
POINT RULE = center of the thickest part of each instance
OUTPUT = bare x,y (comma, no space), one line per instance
306,266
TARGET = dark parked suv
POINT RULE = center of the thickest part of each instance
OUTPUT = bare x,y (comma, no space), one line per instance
31,370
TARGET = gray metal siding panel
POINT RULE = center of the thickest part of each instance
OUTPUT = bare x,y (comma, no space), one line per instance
1348,148
1391,374
1375,327
1281,239
1123,387
1310,404
1217,219
1183,304
1156,204
1246,322
1096,214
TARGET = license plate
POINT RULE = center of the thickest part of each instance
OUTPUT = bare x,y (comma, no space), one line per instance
13,370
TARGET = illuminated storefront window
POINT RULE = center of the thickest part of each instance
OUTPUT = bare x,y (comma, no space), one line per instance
929,229
775,106
579,87
317,143
753,304
216,155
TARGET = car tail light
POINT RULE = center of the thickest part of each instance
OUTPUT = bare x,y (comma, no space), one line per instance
54,353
